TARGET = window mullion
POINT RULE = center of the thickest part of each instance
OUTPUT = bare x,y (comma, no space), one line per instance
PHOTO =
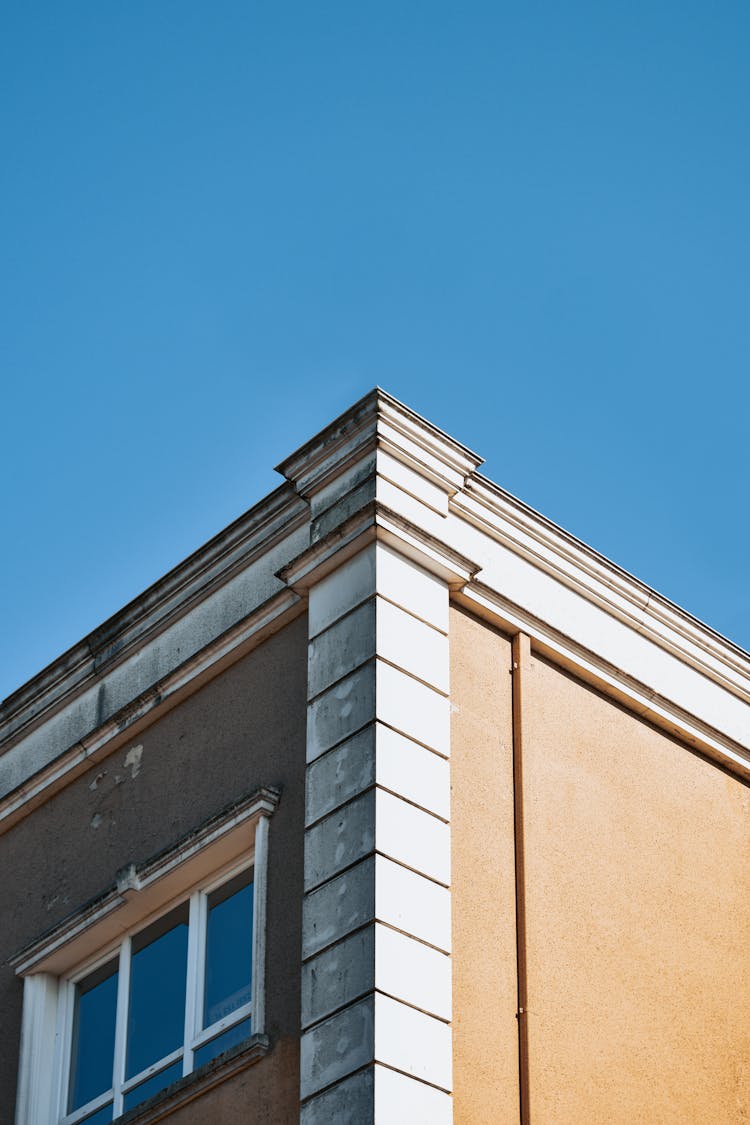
196,962
121,1027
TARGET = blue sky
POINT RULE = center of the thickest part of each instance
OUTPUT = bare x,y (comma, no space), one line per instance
221,224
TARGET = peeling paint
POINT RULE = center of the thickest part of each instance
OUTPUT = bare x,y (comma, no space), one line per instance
96,820
133,760
99,777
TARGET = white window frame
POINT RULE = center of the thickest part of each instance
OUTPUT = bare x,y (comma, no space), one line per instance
188,873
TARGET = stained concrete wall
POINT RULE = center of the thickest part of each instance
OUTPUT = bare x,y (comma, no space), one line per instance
244,729
638,912
485,1036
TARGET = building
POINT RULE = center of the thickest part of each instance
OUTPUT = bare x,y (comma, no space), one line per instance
395,803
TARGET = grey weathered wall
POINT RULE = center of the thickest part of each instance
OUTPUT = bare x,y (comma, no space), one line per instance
244,729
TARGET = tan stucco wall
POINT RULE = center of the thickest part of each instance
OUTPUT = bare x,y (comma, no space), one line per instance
485,1037
637,855
638,913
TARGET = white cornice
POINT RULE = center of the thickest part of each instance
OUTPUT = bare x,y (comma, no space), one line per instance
598,671
375,521
553,550
379,421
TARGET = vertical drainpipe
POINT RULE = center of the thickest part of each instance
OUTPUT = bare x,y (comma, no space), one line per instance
521,653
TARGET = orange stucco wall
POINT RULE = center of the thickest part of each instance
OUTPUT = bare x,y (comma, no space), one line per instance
638,915
637,854
485,1037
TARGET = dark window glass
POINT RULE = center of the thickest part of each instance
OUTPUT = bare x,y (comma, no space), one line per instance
228,948
93,1036
153,1085
101,1117
158,968
222,1042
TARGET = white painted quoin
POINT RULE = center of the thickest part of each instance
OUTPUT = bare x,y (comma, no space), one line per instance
376,973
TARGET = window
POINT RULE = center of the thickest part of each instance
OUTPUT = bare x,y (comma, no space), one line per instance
151,981
174,995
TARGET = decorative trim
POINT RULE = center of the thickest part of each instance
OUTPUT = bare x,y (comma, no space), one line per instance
379,420
594,669
192,1086
373,522
375,989
38,1078
532,536
260,911
270,521
268,618
134,879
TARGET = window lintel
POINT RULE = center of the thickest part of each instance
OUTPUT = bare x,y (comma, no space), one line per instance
141,890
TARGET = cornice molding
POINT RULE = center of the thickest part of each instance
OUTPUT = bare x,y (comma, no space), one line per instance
376,521
509,521
600,673
162,696
144,618
379,421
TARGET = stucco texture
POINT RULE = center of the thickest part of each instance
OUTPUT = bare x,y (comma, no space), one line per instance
485,1036
264,1094
638,912
243,729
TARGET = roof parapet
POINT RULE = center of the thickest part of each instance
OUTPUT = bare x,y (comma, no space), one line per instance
379,421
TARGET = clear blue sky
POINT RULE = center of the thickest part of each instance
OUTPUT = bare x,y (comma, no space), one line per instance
220,224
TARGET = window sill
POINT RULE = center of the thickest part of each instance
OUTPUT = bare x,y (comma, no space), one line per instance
193,1085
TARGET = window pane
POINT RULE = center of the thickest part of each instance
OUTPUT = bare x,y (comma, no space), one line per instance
93,1046
228,948
158,966
153,1085
221,1043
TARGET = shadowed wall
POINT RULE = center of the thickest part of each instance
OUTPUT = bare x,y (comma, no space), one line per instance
244,729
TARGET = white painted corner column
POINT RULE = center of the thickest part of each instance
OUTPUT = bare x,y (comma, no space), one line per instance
376,970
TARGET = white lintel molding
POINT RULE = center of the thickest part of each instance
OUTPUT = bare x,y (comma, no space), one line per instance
150,887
